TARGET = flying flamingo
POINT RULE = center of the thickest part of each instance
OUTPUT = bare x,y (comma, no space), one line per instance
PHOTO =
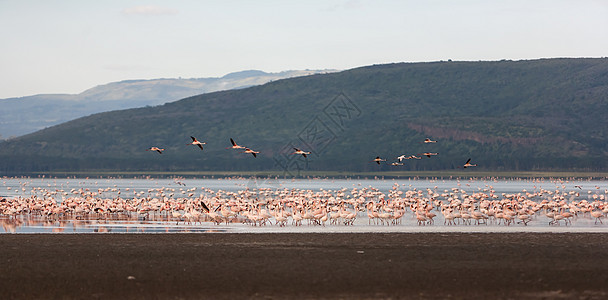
428,154
378,160
247,150
427,140
234,145
468,164
159,150
402,157
298,151
196,142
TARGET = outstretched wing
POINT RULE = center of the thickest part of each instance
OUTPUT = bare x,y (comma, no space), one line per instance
204,206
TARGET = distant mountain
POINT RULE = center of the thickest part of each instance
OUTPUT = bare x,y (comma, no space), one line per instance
547,114
24,115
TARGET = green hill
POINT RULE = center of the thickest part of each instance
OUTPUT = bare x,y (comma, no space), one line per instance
548,114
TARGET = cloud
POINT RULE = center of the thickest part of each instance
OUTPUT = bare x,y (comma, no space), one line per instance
149,10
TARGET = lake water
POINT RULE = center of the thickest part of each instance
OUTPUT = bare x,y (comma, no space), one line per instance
574,190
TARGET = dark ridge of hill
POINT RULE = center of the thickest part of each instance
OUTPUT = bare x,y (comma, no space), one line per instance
547,114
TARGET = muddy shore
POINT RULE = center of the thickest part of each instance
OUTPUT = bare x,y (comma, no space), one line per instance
305,266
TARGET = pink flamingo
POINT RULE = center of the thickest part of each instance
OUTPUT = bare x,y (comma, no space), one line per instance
247,150
302,152
159,150
468,164
378,160
196,142
234,145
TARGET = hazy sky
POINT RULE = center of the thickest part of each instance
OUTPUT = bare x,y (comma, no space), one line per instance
68,46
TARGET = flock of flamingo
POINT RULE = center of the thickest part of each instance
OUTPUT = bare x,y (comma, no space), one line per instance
282,206
377,160
298,207
200,144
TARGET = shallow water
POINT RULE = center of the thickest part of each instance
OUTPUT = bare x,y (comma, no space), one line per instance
125,187
13,187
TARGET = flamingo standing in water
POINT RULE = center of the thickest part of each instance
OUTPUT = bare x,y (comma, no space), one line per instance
597,215
159,150
205,208
247,150
302,152
196,142
234,145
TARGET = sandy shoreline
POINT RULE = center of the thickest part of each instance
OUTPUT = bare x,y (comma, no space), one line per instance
304,265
